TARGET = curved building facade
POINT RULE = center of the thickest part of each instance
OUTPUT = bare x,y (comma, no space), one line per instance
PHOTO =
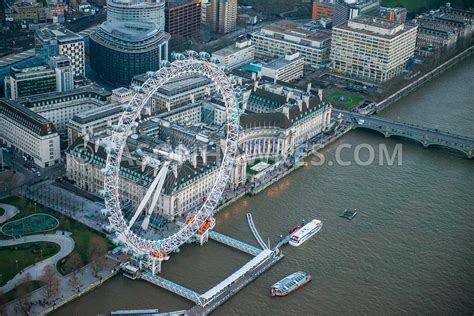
137,11
121,50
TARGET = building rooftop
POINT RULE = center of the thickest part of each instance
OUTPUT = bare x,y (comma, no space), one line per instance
27,72
375,26
297,30
58,33
234,48
92,90
269,119
130,31
97,114
281,62
177,3
26,117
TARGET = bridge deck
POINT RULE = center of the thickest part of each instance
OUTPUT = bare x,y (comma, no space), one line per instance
255,232
171,286
257,260
229,241
426,136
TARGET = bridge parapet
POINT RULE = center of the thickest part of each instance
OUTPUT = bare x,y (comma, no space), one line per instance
425,136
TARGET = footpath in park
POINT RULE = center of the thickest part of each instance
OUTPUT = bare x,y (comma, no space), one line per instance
10,211
36,270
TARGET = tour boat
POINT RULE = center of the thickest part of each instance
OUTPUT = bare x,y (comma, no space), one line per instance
305,232
290,283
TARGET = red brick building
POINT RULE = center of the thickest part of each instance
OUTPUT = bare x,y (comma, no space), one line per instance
182,17
322,8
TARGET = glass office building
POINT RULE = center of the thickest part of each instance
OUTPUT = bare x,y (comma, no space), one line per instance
121,50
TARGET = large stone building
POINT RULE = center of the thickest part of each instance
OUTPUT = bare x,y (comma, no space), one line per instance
372,49
61,107
221,15
190,131
32,12
442,29
88,124
29,133
286,37
191,138
177,92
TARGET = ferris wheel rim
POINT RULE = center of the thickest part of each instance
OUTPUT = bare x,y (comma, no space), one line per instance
138,244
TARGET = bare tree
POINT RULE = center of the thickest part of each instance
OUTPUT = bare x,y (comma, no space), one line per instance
23,295
51,283
97,251
3,307
9,183
73,264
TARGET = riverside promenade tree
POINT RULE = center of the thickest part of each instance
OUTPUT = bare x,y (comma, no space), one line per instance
51,283
97,250
23,295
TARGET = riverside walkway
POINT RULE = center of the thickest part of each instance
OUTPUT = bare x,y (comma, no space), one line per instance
425,136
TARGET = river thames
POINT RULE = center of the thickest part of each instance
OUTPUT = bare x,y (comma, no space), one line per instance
409,250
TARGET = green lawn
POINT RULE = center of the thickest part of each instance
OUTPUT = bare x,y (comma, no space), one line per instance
250,165
80,233
418,6
353,100
2,211
26,254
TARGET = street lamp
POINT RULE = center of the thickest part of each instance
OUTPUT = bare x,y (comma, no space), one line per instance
16,264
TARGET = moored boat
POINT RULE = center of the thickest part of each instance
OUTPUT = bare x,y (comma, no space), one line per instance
305,232
290,283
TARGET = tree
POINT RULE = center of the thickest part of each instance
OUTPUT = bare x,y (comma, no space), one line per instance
3,301
51,283
22,203
10,183
97,250
73,264
23,295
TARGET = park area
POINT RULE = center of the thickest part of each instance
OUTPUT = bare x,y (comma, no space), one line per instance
344,100
35,217
18,257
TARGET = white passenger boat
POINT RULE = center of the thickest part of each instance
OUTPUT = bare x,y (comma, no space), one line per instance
305,232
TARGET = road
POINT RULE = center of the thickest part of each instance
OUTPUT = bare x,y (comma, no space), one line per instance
61,238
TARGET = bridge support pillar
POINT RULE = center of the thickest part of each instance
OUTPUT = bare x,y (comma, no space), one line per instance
155,266
203,238
469,154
